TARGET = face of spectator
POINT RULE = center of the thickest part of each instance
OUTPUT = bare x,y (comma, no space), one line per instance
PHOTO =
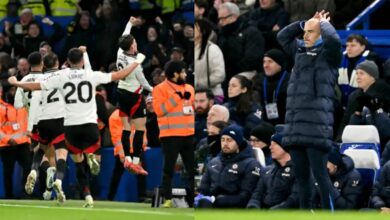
177,56
198,12
107,10
228,145
45,50
84,22
363,79
188,31
33,30
265,4
202,103
225,17
198,34
26,18
277,151
255,142
270,66
235,88
354,48
332,169
311,32
152,34
213,116
23,66
212,130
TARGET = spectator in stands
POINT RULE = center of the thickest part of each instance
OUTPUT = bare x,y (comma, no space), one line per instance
272,86
230,177
308,129
381,194
158,76
217,113
5,64
242,45
346,181
209,63
303,9
204,100
23,68
269,18
152,130
346,11
242,109
356,52
277,188
260,137
370,104
177,54
200,9
5,45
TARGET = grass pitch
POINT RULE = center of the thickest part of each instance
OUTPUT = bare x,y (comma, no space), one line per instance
73,210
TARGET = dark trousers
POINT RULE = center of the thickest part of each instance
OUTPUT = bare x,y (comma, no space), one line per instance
9,155
305,159
172,147
116,178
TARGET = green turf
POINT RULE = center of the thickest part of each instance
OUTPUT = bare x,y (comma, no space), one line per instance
72,210
291,215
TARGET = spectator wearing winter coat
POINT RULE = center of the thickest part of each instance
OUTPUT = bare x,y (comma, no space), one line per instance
230,177
243,110
308,129
277,187
381,194
346,180
204,100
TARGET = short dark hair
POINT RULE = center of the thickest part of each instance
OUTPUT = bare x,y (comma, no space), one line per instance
209,93
50,60
359,38
173,67
34,59
75,55
125,42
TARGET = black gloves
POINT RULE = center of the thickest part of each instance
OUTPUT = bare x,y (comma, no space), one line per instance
186,96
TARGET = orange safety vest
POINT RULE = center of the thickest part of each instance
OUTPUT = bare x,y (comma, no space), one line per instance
116,127
13,124
169,108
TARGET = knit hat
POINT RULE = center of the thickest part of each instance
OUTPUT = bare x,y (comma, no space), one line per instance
263,132
277,56
334,156
235,132
369,67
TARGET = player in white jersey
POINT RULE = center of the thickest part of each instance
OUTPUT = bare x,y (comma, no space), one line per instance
131,101
78,86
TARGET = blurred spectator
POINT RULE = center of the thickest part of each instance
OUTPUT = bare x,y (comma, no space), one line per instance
152,130
272,86
217,113
204,100
20,28
5,45
304,10
346,11
64,8
157,76
242,45
243,110
209,64
38,7
23,68
381,194
260,137
230,177
277,188
200,9
5,64
177,54
269,18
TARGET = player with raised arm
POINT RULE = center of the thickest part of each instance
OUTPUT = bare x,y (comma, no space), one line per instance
78,86
131,101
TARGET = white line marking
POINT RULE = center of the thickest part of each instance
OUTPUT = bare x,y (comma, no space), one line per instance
98,209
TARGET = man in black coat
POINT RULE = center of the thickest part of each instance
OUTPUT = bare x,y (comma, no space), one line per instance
231,177
381,194
310,101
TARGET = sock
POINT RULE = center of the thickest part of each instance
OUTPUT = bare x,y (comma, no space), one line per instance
61,168
37,159
137,143
83,178
126,142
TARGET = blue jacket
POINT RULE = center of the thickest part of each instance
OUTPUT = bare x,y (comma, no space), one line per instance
277,188
231,179
310,94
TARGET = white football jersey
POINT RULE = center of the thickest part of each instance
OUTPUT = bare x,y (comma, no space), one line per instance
78,87
52,102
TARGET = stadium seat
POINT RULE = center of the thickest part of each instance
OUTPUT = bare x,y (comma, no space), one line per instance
367,163
360,137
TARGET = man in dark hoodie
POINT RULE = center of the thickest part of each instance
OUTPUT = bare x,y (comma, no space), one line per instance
346,180
230,177
260,137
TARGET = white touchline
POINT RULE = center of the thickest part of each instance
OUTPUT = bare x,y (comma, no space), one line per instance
98,209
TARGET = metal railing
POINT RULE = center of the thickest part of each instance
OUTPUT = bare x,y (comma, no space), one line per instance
364,16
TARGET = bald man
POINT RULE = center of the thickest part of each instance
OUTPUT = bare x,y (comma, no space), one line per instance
217,113
308,131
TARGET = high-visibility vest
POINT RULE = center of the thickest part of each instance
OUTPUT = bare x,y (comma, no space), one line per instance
13,124
3,8
116,127
37,7
63,7
168,6
169,108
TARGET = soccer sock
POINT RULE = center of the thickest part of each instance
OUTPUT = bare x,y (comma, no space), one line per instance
42,176
37,159
61,167
126,142
83,178
137,145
